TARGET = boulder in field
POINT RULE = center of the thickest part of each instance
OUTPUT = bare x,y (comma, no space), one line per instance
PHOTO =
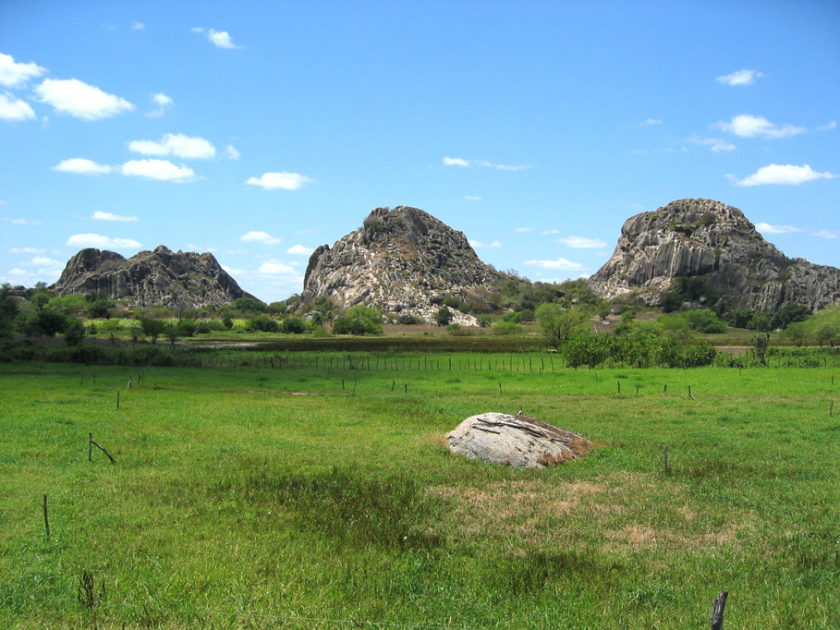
518,441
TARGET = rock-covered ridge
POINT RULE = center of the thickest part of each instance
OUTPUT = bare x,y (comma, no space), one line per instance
160,277
403,260
701,237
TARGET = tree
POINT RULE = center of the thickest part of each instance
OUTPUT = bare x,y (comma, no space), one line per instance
444,316
484,321
359,320
559,324
153,328
74,331
100,308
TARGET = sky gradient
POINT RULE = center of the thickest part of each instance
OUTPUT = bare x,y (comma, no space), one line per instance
260,130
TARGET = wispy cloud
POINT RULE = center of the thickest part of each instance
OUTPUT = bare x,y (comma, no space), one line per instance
232,153
78,99
524,229
766,228
17,75
299,250
282,180
448,161
551,232
260,237
26,250
98,241
827,234
13,109
787,174
747,126
175,144
107,216
561,264
741,77
163,102
138,26
716,144
472,198
580,242
650,122
828,127
478,245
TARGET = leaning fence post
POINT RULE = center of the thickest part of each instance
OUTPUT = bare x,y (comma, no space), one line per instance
666,459
46,518
717,610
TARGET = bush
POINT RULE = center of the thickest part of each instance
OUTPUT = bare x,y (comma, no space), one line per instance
408,320
187,327
74,331
262,324
294,326
484,321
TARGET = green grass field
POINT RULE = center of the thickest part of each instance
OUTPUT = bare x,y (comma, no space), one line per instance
266,498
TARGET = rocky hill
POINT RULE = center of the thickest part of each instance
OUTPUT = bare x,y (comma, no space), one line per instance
708,239
160,277
402,261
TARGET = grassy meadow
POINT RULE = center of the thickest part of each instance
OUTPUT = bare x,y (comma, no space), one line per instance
252,497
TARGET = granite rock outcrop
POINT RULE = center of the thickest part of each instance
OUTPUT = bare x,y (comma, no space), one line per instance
160,277
708,239
401,261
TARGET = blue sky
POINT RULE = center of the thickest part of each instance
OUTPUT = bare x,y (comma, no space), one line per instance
260,130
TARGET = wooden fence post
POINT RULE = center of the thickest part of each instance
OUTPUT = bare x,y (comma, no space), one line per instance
46,518
717,610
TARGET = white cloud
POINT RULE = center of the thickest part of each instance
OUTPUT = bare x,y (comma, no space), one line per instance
551,231
766,228
741,77
650,122
581,243
827,127
787,174
20,222
716,144
12,108
300,250
163,170
276,269
477,245
100,242
107,216
16,75
42,261
232,153
560,263
175,144
448,161
747,126
284,180
826,234
71,96
260,237
82,166
524,229
472,198
162,101
26,250
221,39
138,26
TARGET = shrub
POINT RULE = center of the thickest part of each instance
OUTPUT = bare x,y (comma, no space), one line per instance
484,321
444,316
294,325
262,324
74,331
187,327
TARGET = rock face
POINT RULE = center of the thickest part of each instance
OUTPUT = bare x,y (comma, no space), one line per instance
701,237
518,441
402,261
160,277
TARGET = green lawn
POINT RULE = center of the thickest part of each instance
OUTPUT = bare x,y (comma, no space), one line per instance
258,498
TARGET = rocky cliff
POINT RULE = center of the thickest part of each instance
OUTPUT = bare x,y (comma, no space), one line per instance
402,261
160,277
708,239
